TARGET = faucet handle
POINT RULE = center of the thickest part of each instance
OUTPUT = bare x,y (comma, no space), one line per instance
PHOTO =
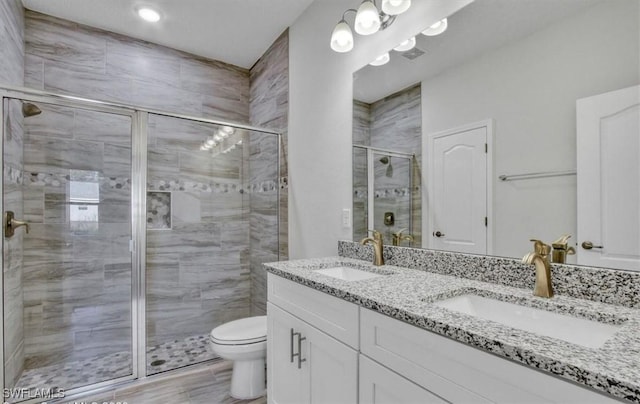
399,232
376,234
541,248
562,242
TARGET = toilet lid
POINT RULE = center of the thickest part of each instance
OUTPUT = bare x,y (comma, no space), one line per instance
244,331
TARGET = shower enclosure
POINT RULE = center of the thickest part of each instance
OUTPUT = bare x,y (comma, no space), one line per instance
127,238
384,194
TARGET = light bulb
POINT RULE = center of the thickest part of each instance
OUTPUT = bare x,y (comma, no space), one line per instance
395,7
228,130
437,28
367,19
406,45
211,142
149,14
342,37
381,60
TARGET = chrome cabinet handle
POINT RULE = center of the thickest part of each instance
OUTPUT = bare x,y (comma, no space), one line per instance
299,353
438,233
300,358
293,355
588,245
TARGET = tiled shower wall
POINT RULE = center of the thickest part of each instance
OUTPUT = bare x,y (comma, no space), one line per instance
12,74
195,265
269,106
394,124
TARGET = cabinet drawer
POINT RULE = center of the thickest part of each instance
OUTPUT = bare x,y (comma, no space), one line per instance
379,385
334,316
458,372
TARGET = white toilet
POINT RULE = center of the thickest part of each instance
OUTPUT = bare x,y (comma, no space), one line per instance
244,342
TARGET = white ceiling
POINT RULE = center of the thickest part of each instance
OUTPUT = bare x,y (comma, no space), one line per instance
233,31
476,29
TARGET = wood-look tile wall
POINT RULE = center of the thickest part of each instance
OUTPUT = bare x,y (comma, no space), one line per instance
12,74
269,107
198,271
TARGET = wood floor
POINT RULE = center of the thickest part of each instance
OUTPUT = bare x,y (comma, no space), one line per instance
202,385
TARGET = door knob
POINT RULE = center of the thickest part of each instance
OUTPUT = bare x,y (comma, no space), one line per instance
438,233
588,245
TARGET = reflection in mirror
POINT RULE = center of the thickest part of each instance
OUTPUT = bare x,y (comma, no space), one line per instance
533,72
386,161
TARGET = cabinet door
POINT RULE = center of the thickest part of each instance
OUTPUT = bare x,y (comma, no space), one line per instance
332,367
286,384
379,385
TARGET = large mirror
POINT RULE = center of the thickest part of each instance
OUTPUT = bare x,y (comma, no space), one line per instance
520,121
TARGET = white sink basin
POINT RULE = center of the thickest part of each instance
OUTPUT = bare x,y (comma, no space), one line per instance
347,273
590,334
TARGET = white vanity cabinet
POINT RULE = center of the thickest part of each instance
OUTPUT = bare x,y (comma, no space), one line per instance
458,373
315,360
322,349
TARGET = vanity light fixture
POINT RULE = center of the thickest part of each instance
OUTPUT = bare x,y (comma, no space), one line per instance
148,14
369,20
395,7
406,45
381,60
437,28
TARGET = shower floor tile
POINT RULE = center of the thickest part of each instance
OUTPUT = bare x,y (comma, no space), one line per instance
160,358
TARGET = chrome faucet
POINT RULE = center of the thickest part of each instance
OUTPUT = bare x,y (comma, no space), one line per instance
376,241
398,237
540,258
561,249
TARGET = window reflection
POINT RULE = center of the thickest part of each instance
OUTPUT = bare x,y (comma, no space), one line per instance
84,200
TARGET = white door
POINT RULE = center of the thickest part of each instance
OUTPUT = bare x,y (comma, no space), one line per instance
608,165
457,190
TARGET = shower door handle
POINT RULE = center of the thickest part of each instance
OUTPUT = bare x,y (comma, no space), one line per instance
11,224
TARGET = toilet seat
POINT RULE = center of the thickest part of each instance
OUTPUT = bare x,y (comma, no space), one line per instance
245,331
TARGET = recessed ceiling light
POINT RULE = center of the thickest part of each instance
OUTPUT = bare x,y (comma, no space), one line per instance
149,14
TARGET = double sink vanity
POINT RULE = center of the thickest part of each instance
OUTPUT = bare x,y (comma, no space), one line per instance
342,330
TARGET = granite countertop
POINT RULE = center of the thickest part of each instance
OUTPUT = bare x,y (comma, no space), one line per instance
408,295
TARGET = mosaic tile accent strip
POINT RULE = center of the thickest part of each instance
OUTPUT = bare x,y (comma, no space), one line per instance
158,210
598,284
175,354
361,193
15,176
407,294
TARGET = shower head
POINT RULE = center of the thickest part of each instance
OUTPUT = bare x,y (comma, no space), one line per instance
29,109
387,160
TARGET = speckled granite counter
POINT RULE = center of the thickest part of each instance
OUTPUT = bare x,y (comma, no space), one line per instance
407,295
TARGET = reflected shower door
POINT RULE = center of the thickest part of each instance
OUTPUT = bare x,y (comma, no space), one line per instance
392,195
68,279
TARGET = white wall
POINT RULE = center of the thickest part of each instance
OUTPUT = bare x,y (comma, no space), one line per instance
320,116
530,88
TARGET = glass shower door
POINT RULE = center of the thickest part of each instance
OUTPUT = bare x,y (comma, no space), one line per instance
68,270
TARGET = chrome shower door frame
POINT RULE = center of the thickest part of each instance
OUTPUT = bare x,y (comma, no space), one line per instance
136,206
139,133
